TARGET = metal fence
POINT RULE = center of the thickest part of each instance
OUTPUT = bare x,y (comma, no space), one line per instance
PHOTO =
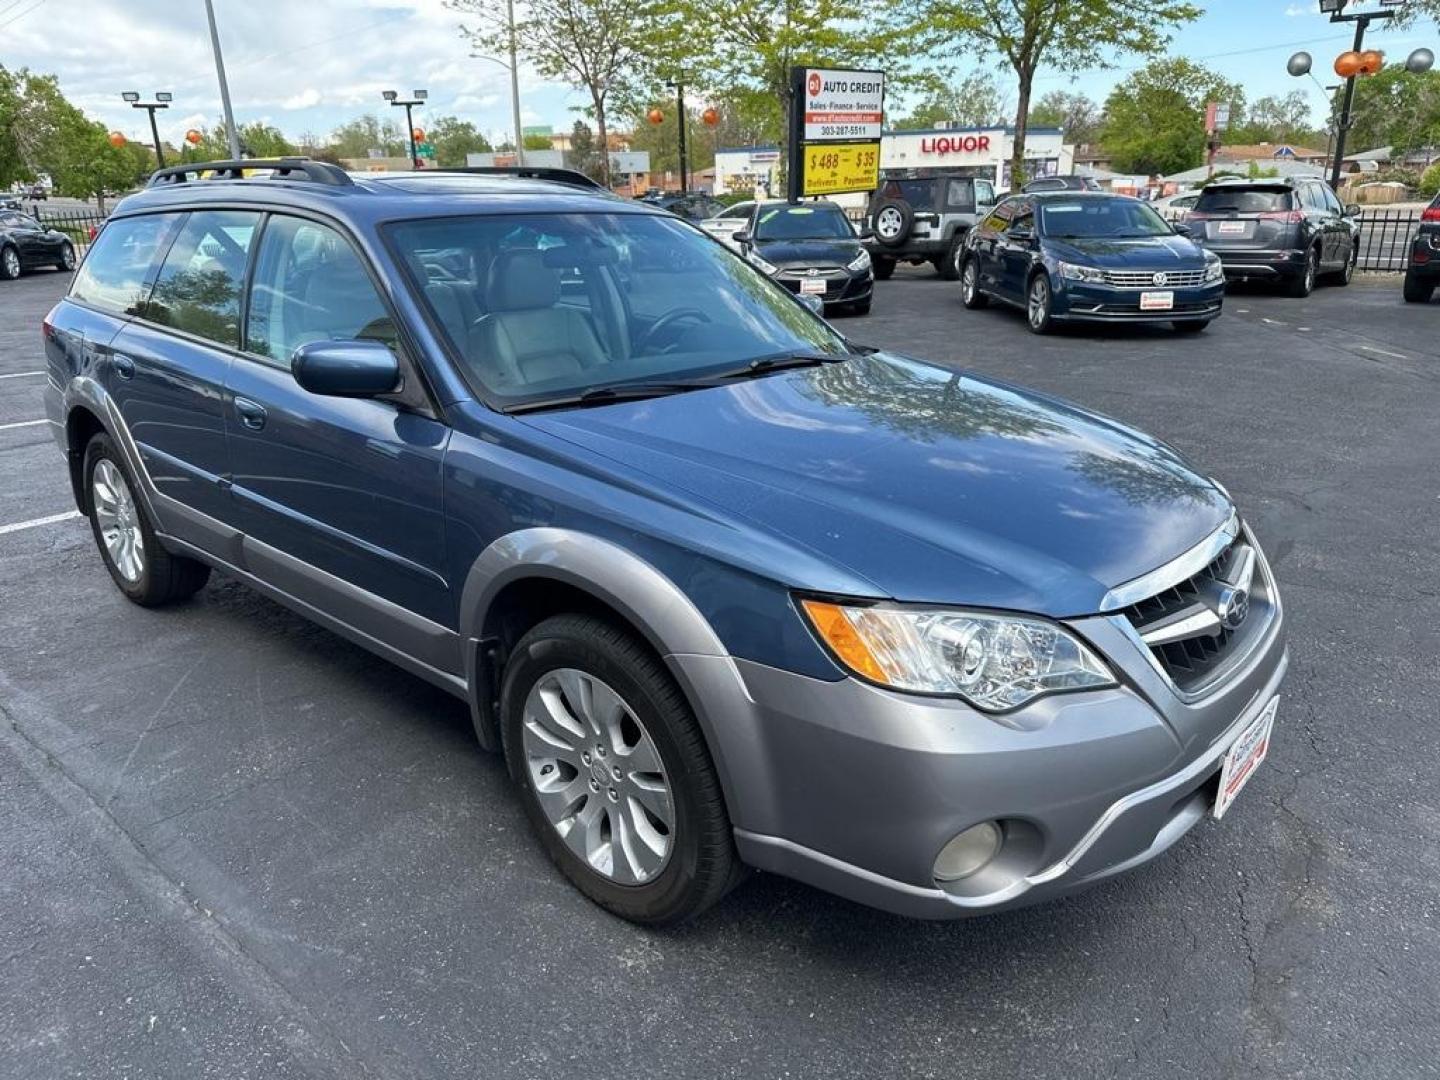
1385,234
80,225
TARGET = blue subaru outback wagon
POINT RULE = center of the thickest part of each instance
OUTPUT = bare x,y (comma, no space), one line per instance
725,589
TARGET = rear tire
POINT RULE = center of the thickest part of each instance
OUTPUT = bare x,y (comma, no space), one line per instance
1416,291
139,565
1303,283
949,264
1190,326
883,266
584,657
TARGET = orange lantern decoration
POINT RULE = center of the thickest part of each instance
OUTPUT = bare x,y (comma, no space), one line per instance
1371,61
193,137
117,140
418,134
711,116
1347,64
655,116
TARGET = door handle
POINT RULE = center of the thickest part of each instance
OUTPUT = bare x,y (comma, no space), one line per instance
251,413
123,365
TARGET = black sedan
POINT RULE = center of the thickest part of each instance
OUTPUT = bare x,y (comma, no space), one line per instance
26,243
1422,276
812,249
1077,256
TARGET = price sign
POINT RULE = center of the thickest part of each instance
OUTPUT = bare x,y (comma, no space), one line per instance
834,168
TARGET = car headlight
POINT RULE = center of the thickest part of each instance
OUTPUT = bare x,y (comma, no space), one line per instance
860,262
757,261
995,662
1214,271
1082,273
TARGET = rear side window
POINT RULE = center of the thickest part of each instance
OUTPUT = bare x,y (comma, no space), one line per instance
198,288
114,273
1242,200
960,196
918,193
310,285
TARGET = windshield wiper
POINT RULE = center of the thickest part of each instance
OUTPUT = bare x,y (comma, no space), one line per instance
604,395
777,361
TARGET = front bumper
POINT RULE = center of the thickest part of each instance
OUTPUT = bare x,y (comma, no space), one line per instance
1084,302
855,789
841,286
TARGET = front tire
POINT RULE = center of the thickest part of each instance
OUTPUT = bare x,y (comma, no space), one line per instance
1190,326
66,261
1346,274
1039,302
883,266
141,568
970,294
9,263
614,772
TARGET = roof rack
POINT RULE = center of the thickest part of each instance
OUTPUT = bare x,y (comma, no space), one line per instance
556,176
285,168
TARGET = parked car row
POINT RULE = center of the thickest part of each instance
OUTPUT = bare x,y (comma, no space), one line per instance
1422,276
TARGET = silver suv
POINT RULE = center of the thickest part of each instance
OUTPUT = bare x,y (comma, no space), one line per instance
919,219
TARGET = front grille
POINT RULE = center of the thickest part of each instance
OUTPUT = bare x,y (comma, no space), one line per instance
835,278
1192,661
1145,279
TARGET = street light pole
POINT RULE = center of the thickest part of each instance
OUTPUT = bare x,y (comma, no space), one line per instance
515,85
162,101
231,133
1362,20
679,88
417,98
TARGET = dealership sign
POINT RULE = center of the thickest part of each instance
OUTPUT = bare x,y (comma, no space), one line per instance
843,105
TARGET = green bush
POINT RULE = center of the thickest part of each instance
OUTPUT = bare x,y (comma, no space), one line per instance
1429,185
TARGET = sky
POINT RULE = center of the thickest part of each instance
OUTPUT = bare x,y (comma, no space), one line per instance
308,66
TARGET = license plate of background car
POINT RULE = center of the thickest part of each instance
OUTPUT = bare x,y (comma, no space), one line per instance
812,285
1244,757
1157,301
1230,228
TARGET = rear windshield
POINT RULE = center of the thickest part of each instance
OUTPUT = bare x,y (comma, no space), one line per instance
918,193
1244,200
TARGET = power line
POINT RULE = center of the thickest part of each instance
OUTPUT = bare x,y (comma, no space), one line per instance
17,17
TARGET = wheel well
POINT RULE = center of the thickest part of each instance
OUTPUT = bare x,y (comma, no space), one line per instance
80,427
515,610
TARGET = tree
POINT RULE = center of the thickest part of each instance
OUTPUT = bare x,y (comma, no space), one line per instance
537,142
1077,115
356,138
594,45
1067,35
1429,185
585,155
1396,108
1155,118
975,101
257,139
453,138
1276,119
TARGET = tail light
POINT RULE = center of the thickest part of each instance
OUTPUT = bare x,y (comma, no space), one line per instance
1432,213
1290,217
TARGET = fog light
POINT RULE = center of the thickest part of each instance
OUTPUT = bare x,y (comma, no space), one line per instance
969,852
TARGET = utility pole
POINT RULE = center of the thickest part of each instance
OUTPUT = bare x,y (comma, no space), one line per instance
162,101
679,88
231,133
515,84
418,98
1362,20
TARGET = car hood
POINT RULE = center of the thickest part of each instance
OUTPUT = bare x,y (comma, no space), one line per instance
1144,252
936,486
835,252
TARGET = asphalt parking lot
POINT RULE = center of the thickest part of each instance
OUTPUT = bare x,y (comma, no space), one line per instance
235,845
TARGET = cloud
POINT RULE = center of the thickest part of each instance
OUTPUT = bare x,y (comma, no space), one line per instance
303,100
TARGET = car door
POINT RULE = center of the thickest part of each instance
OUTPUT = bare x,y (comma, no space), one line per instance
1017,247
1340,226
984,242
167,365
1317,224
339,498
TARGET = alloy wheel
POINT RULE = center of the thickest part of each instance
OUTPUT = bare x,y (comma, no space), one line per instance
12,263
1039,305
598,777
888,222
969,281
67,257
118,520
1310,271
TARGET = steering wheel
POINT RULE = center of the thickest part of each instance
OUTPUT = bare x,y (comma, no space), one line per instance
666,321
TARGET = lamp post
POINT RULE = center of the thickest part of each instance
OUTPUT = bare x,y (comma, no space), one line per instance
231,134
162,101
679,89
417,98
514,90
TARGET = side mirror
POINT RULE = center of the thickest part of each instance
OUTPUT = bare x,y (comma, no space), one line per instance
1022,233
815,305
741,237
1182,229
1353,210
346,368
865,233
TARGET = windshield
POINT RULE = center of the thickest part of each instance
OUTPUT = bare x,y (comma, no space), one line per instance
548,306
1242,200
786,222
1100,218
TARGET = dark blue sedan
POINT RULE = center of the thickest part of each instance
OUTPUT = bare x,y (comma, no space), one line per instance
1071,256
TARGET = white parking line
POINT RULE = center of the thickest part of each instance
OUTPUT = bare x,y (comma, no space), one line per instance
23,375
35,523
1382,352
23,423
